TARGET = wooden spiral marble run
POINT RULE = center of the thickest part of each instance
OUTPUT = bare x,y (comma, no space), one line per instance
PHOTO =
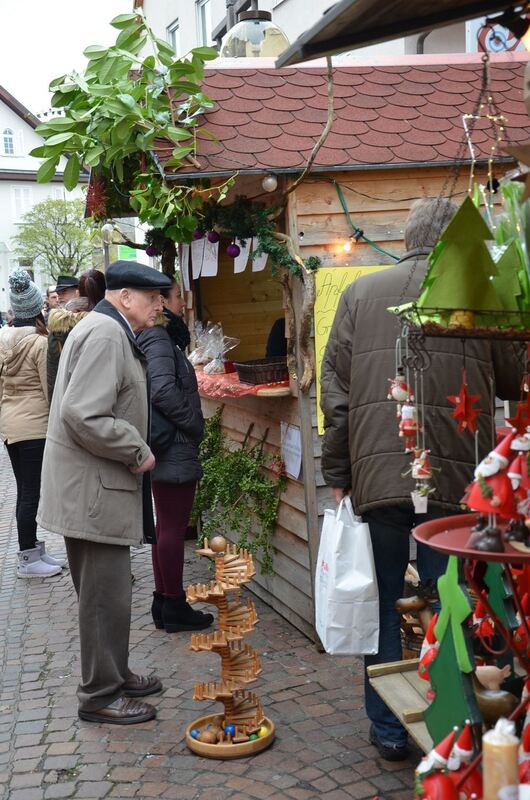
243,729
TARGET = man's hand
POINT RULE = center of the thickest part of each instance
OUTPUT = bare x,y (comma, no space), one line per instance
340,494
146,466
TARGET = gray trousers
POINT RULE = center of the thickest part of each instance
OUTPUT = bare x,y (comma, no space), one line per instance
102,578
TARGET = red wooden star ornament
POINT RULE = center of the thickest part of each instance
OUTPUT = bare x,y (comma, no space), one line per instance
464,412
521,419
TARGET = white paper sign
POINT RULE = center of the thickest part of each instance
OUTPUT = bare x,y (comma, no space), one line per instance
197,256
291,449
210,261
240,263
184,261
258,264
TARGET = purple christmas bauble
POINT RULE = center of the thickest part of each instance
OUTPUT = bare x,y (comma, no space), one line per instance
150,250
213,237
197,234
233,250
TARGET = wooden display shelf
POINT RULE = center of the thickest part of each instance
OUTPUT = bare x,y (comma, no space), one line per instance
402,689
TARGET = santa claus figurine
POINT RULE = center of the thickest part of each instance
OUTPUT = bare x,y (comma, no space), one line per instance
408,426
459,761
482,624
429,651
399,390
431,777
492,493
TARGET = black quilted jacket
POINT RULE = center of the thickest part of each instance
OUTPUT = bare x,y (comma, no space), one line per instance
361,447
174,392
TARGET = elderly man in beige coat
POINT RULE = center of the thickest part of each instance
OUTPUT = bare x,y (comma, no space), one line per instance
95,487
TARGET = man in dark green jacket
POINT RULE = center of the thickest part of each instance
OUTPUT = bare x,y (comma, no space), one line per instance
362,452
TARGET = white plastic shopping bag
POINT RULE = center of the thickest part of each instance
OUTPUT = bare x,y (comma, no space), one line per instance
346,595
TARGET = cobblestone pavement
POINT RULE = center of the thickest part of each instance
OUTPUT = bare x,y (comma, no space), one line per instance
321,749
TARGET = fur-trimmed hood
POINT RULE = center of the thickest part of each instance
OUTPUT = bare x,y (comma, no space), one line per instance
61,320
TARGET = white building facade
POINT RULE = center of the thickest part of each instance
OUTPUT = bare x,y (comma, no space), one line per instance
192,23
19,190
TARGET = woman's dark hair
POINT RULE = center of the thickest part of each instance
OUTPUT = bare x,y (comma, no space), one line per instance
37,322
92,285
165,292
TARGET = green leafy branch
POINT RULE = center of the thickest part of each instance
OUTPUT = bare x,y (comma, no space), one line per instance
113,113
234,495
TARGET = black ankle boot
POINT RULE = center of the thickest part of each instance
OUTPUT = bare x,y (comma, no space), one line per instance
178,615
156,609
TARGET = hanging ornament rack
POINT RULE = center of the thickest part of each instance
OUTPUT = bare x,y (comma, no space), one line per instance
420,323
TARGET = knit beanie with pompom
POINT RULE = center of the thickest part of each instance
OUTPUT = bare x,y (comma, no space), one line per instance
24,296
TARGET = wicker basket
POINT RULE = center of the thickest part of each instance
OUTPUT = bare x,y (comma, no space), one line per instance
262,370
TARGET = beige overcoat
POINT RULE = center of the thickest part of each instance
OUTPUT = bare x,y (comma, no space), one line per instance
23,387
97,429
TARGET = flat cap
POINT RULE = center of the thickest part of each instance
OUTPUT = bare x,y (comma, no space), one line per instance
132,275
66,282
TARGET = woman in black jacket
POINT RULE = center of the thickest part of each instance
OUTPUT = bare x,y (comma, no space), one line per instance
174,394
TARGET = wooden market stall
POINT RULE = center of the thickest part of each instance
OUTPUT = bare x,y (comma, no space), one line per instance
396,132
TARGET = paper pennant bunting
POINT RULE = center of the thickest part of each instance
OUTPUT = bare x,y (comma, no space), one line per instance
259,263
184,261
197,256
240,263
210,263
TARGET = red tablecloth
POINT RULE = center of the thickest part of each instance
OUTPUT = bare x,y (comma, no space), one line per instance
229,385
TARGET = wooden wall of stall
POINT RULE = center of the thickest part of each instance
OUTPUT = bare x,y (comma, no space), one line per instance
288,591
379,202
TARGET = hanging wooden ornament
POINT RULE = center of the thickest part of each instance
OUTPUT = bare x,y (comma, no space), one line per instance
521,419
464,413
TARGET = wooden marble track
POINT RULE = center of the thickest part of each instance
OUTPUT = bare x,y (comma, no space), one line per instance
243,729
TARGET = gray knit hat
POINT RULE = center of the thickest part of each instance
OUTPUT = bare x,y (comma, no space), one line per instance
24,296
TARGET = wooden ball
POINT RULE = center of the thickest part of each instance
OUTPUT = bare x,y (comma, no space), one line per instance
218,544
208,737
263,731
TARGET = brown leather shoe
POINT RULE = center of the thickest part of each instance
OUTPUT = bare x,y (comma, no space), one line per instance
141,685
123,711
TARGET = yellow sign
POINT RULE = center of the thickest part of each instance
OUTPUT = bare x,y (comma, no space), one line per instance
330,284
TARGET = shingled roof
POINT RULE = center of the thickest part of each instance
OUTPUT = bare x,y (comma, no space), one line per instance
396,113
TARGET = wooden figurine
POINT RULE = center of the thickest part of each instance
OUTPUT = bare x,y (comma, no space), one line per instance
243,729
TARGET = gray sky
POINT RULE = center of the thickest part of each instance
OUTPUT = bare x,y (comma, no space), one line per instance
42,39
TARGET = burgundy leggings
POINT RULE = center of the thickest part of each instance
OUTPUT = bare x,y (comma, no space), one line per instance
173,503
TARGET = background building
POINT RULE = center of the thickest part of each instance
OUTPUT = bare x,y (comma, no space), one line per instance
19,190
192,23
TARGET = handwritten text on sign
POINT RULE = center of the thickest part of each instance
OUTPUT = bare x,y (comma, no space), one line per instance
330,284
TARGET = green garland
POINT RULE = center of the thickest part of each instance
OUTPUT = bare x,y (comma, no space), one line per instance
244,219
234,496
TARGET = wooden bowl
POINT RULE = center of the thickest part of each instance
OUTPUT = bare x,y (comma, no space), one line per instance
223,751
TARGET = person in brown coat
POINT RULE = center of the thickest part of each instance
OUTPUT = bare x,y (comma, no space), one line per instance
362,452
63,319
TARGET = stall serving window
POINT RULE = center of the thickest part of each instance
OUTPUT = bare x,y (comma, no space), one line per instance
248,304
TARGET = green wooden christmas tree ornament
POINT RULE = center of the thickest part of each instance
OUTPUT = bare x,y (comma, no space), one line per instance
459,278
506,282
452,670
500,598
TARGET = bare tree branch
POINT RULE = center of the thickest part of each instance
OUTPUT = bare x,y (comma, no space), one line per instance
325,132
306,316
